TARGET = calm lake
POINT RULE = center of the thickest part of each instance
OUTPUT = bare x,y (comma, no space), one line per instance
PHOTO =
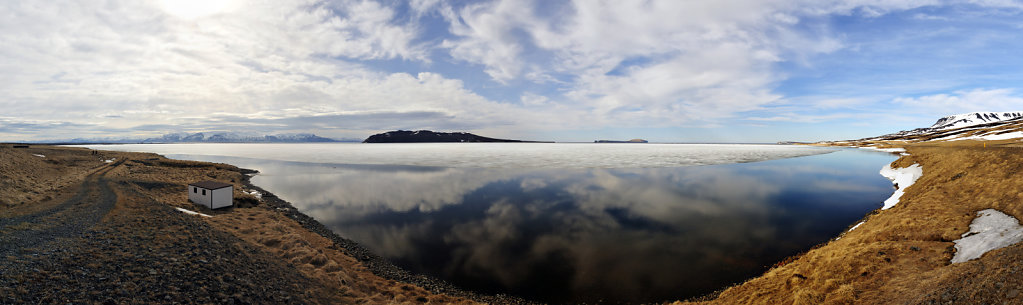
568,223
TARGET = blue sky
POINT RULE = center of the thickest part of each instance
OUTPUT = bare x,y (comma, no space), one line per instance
667,71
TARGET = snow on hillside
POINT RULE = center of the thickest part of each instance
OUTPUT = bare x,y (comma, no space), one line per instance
989,126
991,230
988,137
902,178
973,118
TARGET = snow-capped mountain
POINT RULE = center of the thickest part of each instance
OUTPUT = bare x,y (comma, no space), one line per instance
973,118
988,126
230,137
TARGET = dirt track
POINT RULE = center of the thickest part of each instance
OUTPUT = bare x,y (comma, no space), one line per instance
69,219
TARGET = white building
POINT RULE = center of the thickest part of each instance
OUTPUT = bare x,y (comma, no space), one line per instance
211,194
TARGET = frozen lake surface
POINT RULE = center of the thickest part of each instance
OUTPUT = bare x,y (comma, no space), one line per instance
566,223
491,155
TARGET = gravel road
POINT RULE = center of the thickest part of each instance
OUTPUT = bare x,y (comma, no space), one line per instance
51,229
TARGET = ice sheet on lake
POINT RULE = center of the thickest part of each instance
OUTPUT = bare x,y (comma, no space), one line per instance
491,155
902,178
991,230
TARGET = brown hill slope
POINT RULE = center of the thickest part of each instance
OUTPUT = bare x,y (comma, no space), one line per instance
901,255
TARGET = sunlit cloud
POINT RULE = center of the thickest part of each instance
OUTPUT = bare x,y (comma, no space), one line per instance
569,70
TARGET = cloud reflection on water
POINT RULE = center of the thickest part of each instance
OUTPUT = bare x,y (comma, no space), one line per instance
586,234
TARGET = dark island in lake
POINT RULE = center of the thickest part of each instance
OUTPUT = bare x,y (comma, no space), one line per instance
629,141
426,136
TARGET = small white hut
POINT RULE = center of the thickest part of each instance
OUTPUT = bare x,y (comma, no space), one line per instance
211,194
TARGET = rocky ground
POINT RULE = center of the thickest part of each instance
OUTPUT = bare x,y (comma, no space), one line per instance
78,229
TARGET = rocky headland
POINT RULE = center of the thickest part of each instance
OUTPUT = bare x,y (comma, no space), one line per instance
426,136
618,141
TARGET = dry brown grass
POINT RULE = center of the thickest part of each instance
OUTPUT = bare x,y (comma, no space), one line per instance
901,255
29,183
316,257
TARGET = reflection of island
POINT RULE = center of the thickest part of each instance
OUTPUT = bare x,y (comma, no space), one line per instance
629,141
426,136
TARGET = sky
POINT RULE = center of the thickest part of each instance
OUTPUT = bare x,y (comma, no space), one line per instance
665,71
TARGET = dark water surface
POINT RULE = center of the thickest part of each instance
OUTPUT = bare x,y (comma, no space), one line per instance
583,235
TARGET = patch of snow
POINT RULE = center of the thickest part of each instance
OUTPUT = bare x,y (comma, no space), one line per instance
38,155
109,161
255,193
1004,136
902,178
850,229
191,212
992,137
891,150
856,226
991,230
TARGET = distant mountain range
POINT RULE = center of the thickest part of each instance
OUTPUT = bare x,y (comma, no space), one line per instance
229,137
426,136
989,126
210,137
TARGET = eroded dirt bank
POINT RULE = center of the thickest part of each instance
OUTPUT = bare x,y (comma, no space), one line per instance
901,255
82,226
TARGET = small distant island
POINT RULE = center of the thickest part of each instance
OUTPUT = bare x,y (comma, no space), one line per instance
613,141
426,136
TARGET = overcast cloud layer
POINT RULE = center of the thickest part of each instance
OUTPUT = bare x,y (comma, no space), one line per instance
723,71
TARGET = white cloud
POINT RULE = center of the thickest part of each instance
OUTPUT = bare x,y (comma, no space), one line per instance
488,36
1015,4
130,63
577,65
655,63
423,7
963,102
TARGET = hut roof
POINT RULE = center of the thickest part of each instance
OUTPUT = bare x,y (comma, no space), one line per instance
210,185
